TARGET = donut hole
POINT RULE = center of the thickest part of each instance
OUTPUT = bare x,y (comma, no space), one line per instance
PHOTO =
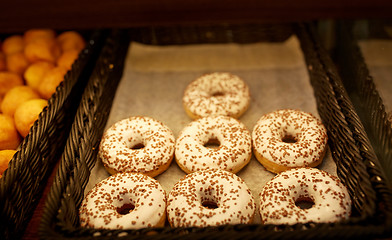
217,94
126,208
137,146
304,202
210,204
288,138
212,143
208,199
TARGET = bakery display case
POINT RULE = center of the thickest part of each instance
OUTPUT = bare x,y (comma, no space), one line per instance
138,60
351,154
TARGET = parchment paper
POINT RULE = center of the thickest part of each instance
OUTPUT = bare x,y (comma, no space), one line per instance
155,77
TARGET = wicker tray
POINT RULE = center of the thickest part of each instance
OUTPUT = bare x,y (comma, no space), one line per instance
356,162
364,94
23,182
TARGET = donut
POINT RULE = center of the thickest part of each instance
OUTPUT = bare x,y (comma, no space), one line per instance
304,195
213,142
210,198
216,93
137,144
287,139
124,201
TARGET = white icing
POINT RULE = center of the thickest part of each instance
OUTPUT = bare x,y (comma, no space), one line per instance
99,207
116,145
232,196
309,132
331,199
233,153
217,94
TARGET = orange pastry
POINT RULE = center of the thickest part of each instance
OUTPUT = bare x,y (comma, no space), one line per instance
16,96
13,44
9,137
34,34
27,113
35,73
3,65
71,40
50,81
42,49
67,58
9,80
17,63
5,158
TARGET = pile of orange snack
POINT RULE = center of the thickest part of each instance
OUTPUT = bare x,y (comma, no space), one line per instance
32,65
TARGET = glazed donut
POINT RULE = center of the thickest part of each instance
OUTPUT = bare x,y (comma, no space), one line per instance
137,144
280,197
210,198
234,140
216,94
124,201
287,139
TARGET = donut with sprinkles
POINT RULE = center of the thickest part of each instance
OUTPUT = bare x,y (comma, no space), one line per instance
214,142
304,195
210,198
287,138
124,201
218,93
137,144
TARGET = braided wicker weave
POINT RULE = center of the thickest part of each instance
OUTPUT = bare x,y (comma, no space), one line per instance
22,183
357,164
366,99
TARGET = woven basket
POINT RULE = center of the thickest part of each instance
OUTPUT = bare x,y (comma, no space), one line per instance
22,184
363,92
357,165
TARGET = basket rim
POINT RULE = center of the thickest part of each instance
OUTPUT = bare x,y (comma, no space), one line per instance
370,105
